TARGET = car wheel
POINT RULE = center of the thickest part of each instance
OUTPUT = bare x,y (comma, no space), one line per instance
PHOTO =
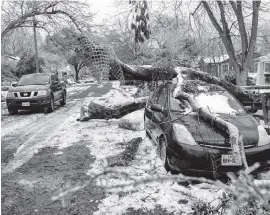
50,107
12,111
63,99
163,153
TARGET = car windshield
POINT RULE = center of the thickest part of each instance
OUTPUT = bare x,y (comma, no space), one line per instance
218,101
34,80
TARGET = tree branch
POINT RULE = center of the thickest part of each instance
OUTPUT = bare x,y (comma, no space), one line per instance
237,8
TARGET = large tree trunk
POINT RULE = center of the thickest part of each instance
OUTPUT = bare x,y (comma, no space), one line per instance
98,111
241,77
77,73
148,73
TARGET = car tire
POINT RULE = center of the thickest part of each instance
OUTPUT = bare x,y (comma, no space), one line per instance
63,99
50,107
12,111
163,153
146,131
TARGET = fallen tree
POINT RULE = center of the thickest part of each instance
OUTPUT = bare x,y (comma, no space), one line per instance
244,96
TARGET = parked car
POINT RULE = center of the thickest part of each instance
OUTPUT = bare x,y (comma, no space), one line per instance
39,90
188,144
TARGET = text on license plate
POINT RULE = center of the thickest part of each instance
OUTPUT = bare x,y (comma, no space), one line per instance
25,104
230,160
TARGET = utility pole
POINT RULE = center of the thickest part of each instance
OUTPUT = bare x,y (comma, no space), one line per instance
35,39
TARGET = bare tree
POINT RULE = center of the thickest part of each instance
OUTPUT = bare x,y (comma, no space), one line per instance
20,13
248,42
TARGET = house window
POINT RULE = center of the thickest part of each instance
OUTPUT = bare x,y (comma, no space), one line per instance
224,68
267,67
255,67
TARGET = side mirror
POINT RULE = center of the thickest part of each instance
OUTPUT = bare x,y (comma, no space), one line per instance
157,108
14,84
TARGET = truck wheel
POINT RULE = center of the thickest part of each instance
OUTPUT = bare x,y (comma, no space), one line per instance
12,111
50,107
63,99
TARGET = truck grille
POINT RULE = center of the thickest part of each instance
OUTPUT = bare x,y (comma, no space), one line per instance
25,94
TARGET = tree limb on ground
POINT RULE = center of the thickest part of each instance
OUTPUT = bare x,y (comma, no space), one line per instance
125,157
98,111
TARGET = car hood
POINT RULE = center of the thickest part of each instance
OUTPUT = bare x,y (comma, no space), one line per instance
28,88
205,133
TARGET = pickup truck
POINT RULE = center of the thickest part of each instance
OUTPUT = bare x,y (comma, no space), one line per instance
38,90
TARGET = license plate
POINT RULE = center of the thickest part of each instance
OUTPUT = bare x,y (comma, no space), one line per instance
230,160
25,104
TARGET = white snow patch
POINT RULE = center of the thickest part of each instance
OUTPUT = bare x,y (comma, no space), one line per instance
179,80
136,118
216,103
147,66
105,143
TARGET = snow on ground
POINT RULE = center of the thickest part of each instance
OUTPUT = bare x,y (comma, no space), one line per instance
105,143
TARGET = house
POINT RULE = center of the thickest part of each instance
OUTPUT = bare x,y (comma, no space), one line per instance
262,69
218,66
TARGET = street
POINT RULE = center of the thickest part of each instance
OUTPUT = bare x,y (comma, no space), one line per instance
33,168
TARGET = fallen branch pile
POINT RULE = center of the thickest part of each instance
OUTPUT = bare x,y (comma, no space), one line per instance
125,157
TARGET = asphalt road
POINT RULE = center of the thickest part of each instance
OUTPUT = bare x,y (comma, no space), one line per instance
32,170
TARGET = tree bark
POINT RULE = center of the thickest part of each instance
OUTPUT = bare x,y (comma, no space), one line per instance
147,73
77,72
98,111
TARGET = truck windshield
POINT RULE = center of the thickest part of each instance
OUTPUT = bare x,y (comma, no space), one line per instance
34,80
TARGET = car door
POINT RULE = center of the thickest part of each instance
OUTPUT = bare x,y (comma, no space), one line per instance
56,87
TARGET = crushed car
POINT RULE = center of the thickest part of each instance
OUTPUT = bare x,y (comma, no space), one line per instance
35,91
188,144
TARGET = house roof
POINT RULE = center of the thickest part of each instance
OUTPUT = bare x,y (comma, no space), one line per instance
265,58
219,59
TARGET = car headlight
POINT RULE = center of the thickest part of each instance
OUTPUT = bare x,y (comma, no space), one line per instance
263,136
42,93
182,135
10,95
